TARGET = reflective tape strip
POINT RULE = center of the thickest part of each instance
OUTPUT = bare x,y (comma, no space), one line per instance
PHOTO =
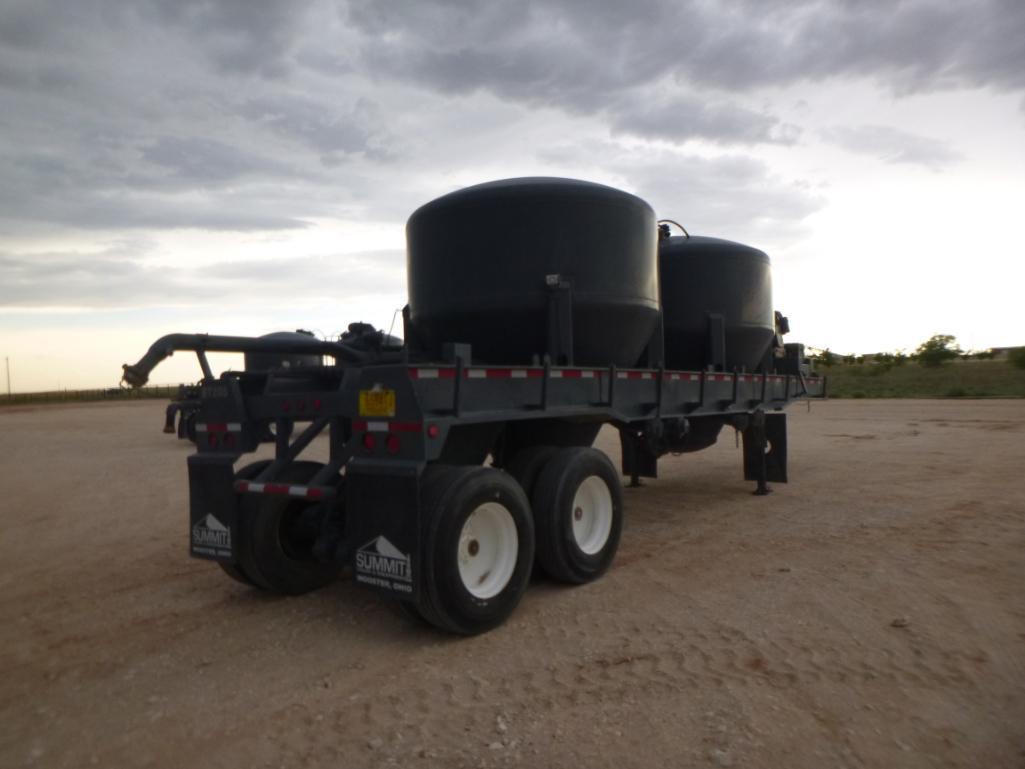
218,427
303,492
634,375
384,427
476,373
432,373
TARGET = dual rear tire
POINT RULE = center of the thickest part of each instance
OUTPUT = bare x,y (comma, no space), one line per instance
578,515
480,535
477,545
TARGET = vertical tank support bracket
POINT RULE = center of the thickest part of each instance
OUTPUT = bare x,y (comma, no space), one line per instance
560,320
716,341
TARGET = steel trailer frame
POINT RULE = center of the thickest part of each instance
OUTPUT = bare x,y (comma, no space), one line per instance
386,423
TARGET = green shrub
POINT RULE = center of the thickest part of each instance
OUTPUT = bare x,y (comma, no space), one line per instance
937,350
1016,357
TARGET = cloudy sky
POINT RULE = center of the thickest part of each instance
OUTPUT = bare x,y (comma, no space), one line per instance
247,166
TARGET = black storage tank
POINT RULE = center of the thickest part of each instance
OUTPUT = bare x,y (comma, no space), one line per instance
479,264
266,361
701,276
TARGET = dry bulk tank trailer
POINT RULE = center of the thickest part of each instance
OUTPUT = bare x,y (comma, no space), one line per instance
514,288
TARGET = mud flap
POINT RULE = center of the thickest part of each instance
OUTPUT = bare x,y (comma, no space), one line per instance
212,507
383,513
772,449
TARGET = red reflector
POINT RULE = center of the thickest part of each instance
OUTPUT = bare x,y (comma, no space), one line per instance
229,440
392,443
316,404
433,431
368,441
285,406
211,440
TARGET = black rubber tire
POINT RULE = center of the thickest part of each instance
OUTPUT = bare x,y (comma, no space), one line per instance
234,570
558,552
189,421
527,464
448,497
273,551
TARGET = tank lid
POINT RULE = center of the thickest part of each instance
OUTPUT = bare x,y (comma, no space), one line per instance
532,185
708,244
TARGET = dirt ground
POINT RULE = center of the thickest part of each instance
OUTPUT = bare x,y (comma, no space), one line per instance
868,614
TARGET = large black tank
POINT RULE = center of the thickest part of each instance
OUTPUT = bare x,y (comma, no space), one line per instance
265,361
701,275
478,258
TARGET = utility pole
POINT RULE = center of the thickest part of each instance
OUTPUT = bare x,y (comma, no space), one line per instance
7,360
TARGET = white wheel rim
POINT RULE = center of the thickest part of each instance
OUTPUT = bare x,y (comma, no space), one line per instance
592,515
488,547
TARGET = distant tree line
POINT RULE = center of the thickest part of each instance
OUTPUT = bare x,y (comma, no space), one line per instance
932,353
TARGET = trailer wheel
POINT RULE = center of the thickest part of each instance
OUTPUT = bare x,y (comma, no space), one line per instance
477,548
234,570
189,423
578,513
276,538
527,464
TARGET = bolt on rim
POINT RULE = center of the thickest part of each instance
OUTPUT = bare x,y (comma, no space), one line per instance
592,515
488,547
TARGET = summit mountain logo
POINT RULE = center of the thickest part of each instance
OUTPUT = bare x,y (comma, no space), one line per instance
210,536
380,563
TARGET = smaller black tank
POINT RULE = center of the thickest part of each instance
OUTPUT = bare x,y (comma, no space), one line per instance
265,361
701,276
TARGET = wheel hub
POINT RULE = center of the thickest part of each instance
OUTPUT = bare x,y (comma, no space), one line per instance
488,549
592,515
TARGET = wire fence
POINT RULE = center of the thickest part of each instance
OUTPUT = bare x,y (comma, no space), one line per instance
77,396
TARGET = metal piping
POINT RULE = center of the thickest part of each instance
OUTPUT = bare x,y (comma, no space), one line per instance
138,374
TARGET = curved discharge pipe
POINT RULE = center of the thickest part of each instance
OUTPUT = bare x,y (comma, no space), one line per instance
138,374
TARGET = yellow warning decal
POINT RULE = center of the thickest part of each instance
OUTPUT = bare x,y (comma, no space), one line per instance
377,403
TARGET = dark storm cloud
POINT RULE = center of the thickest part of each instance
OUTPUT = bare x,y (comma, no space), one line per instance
172,114
329,130
892,145
263,114
578,53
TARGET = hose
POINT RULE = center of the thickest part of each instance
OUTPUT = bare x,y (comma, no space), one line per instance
138,374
